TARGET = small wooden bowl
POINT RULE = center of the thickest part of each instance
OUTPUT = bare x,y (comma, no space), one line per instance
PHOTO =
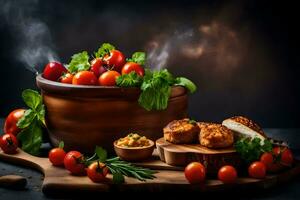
134,153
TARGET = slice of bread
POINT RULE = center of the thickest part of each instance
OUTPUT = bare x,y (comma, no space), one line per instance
242,126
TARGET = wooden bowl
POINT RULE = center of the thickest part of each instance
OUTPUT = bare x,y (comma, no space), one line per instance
86,116
134,153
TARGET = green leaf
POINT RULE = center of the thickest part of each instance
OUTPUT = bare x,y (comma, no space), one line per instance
191,121
104,50
32,98
26,119
156,90
186,83
31,138
101,153
118,178
250,149
41,114
138,57
129,80
61,144
79,62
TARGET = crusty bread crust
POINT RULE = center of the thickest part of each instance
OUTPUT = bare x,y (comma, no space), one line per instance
244,127
249,123
215,135
181,132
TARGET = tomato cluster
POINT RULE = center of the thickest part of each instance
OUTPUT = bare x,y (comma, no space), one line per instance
8,141
102,70
76,164
274,161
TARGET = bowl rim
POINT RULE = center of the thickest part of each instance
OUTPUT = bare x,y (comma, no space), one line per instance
96,91
152,144
41,79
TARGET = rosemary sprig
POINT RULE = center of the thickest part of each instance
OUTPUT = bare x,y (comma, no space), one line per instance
120,168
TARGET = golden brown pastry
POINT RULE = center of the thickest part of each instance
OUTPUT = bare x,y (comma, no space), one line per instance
182,131
215,135
242,126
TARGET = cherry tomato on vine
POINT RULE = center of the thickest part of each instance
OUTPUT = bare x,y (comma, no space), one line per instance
75,163
53,71
10,124
97,172
195,172
9,143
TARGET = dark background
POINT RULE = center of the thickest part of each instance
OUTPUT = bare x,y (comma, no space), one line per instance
237,52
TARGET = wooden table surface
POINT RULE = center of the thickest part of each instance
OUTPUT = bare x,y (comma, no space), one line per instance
287,191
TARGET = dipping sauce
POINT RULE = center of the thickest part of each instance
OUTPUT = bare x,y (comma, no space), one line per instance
133,140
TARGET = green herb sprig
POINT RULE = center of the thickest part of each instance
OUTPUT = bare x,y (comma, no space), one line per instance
32,122
250,149
120,168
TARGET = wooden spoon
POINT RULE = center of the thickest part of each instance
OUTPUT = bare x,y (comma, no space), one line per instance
13,181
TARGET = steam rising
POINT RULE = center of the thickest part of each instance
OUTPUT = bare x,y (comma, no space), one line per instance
214,44
34,43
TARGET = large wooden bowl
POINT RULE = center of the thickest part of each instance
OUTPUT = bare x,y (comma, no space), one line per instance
86,116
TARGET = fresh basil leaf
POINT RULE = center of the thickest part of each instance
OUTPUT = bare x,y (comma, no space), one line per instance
31,98
61,144
118,178
138,57
79,62
129,80
41,114
31,138
104,50
186,83
101,153
26,119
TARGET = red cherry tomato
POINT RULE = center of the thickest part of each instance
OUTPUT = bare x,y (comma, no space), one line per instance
97,67
227,174
53,71
97,172
115,60
108,78
132,66
195,173
85,78
286,157
9,143
67,78
257,170
56,156
10,124
74,162
267,159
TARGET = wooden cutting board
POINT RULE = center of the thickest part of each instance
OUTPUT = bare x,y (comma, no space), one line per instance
183,154
58,180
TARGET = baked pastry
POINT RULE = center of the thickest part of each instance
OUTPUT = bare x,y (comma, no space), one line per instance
184,131
215,135
242,126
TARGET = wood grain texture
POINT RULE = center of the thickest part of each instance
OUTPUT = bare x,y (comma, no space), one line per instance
58,181
86,116
183,154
